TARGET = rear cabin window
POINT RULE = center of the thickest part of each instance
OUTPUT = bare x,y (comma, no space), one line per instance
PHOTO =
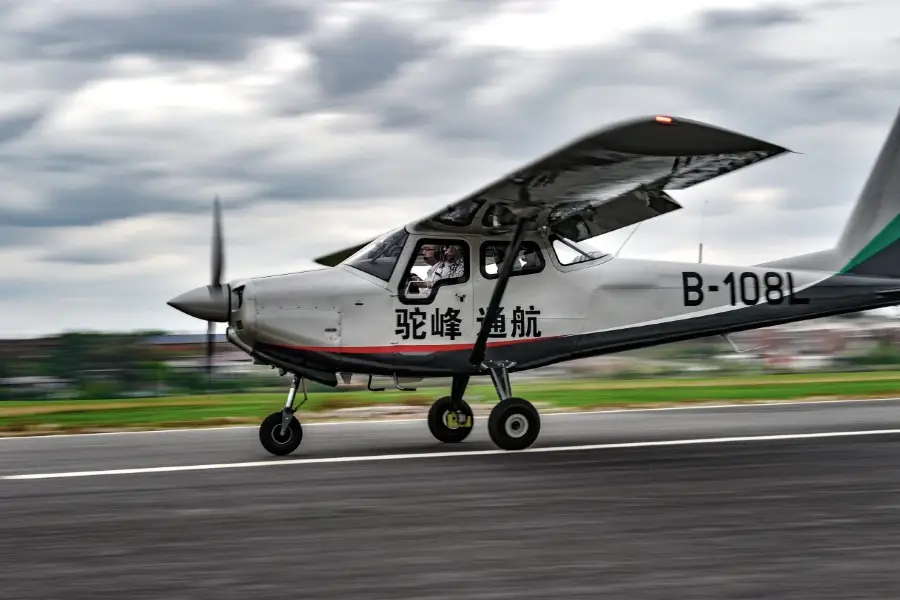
572,253
529,260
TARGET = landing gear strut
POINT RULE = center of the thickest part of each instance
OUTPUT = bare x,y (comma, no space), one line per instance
514,423
280,433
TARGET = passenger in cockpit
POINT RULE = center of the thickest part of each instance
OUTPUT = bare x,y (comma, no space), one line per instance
452,264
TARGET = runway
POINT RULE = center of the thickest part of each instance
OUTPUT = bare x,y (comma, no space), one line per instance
720,509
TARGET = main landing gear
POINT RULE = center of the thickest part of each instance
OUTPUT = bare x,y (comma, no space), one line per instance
280,432
514,423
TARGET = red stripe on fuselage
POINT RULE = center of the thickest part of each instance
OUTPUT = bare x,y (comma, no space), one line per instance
425,348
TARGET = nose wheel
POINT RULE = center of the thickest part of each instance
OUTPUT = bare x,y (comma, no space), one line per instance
277,441
281,433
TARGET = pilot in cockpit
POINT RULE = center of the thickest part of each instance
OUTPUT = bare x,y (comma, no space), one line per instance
443,265
431,257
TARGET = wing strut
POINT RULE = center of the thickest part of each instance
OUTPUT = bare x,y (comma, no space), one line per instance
497,295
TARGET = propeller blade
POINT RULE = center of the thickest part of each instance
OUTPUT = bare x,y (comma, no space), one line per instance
210,346
218,257
218,266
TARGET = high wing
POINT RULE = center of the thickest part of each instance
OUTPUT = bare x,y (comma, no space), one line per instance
611,178
608,179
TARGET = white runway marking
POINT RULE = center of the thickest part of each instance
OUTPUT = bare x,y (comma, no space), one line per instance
544,415
418,456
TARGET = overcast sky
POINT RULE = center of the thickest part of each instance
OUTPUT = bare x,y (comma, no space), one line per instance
322,124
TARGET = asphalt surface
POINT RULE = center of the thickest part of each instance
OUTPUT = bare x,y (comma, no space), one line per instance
750,518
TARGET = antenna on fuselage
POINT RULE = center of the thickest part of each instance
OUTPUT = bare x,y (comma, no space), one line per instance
626,239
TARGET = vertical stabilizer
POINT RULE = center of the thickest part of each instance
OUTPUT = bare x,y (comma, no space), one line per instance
870,243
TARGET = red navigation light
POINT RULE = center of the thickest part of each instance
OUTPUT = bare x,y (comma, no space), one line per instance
664,120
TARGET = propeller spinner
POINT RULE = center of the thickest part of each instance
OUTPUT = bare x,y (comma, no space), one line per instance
211,303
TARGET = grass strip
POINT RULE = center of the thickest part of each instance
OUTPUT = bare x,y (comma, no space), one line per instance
214,410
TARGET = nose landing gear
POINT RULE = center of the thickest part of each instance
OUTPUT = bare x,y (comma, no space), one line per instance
281,433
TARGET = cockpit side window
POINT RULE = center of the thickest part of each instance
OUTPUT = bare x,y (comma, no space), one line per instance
435,264
529,260
380,257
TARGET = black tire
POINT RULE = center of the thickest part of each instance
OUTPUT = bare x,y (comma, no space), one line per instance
272,440
437,421
514,424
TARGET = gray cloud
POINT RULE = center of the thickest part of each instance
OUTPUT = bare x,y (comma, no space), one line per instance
367,55
220,31
13,236
95,204
86,257
442,105
748,20
12,128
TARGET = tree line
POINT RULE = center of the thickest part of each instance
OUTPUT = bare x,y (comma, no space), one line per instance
104,365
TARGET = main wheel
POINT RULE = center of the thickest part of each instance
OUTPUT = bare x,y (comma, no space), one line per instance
271,438
514,424
450,426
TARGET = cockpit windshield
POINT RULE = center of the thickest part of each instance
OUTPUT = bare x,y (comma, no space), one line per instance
380,256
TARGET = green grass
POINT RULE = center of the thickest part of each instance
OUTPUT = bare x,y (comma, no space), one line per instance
188,411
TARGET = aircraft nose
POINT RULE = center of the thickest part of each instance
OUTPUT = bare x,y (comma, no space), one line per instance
206,303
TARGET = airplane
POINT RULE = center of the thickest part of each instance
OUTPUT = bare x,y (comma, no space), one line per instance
500,281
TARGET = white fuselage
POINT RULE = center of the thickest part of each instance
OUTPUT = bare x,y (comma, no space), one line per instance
348,312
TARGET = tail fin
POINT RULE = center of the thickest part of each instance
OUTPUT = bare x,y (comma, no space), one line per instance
870,243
